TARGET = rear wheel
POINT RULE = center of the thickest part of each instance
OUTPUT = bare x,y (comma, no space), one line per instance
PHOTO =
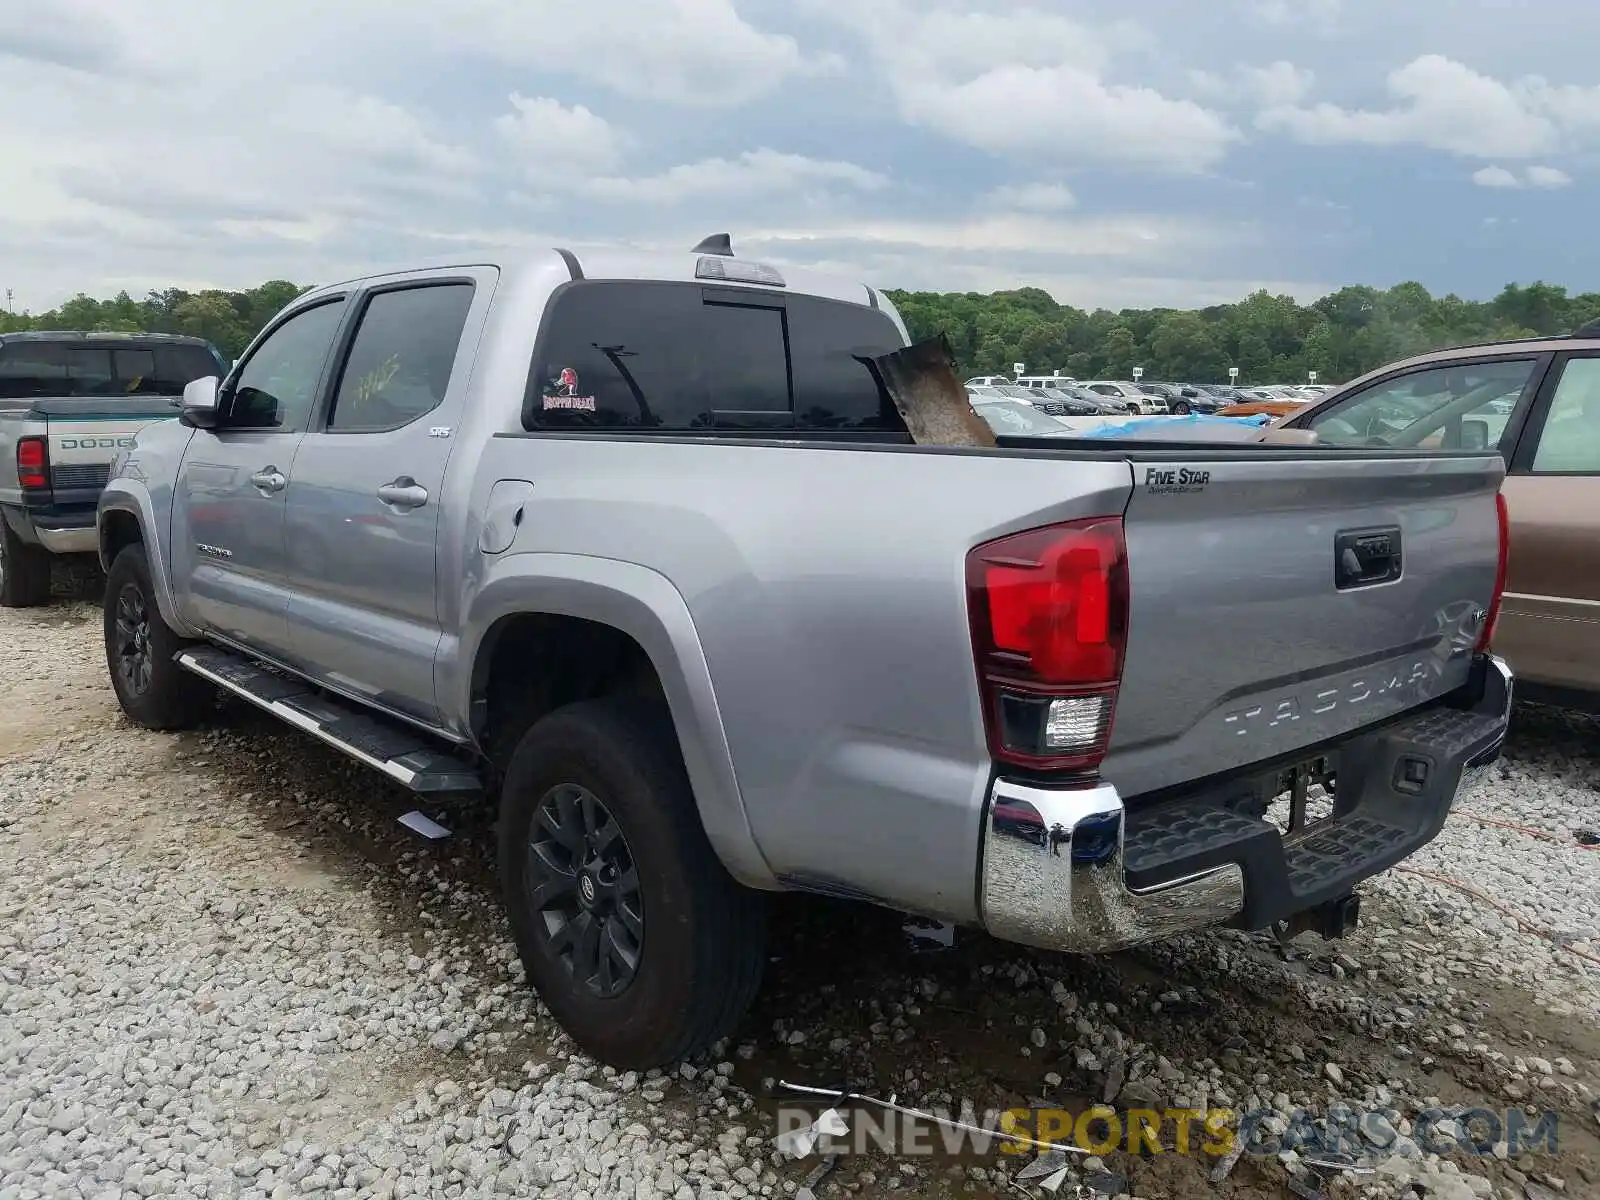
1181,408
141,651
636,938
24,571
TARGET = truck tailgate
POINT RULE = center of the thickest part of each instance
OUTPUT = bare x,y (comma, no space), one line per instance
1280,598
85,435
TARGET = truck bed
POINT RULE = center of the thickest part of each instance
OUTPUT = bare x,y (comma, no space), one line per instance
842,563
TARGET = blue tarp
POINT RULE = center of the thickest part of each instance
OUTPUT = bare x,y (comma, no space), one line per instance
1195,426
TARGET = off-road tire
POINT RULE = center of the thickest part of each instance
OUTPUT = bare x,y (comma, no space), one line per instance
24,571
704,935
172,698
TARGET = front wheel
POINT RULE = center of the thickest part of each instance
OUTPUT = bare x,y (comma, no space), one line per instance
641,945
142,649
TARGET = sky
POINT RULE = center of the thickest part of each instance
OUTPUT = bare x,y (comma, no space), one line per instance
1117,155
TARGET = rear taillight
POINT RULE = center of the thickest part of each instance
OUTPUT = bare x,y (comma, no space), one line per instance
33,463
1049,612
1486,636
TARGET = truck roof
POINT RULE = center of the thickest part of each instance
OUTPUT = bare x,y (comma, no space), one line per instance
638,263
115,336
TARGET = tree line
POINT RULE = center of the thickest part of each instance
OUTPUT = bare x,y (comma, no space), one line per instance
1269,338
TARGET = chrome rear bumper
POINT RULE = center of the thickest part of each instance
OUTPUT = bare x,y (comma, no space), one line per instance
72,540
1056,866
1053,875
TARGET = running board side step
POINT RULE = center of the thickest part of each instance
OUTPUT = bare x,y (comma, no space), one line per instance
387,746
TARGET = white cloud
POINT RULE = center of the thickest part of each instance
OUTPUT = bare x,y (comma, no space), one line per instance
1495,177
1441,104
1276,84
1033,236
682,51
1031,197
1534,177
700,52
551,140
367,128
1317,16
1547,177
1445,105
948,154
1033,86
753,173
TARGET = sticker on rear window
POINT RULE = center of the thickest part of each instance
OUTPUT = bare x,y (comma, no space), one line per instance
562,393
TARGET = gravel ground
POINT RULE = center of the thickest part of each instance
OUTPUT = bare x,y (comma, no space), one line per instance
225,971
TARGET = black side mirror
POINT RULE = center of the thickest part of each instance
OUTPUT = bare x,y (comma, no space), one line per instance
252,408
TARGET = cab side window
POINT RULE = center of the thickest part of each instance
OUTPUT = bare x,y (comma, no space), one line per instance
277,385
401,359
1570,439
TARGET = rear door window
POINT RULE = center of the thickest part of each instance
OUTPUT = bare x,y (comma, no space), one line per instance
402,357
677,356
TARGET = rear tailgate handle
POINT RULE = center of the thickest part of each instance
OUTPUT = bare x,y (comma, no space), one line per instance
1366,557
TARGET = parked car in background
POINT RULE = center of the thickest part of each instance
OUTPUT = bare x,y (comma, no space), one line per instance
1182,398
68,402
1134,399
1104,405
1040,398
1247,407
1166,393
989,381
1538,403
1045,381
1017,418
1010,391
1079,403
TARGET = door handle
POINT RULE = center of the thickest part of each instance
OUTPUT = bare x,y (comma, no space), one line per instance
270,479
404,492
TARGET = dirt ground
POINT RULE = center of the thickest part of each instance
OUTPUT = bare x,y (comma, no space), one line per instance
1410,1012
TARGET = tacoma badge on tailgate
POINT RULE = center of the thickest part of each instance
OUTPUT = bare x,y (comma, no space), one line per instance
1271,713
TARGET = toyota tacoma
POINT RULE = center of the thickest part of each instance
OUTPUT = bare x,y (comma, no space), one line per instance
638,548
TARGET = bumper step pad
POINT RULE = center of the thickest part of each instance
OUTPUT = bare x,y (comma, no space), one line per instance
387,746
1395,790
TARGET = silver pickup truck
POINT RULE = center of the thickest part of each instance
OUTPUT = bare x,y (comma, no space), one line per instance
638,546
68,403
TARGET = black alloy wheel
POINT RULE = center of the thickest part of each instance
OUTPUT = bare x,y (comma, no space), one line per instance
582,884
134,656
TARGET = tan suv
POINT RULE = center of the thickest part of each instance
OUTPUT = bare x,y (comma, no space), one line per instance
1539,402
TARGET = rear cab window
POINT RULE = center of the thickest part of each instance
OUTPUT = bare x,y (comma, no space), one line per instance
66,369
664,356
